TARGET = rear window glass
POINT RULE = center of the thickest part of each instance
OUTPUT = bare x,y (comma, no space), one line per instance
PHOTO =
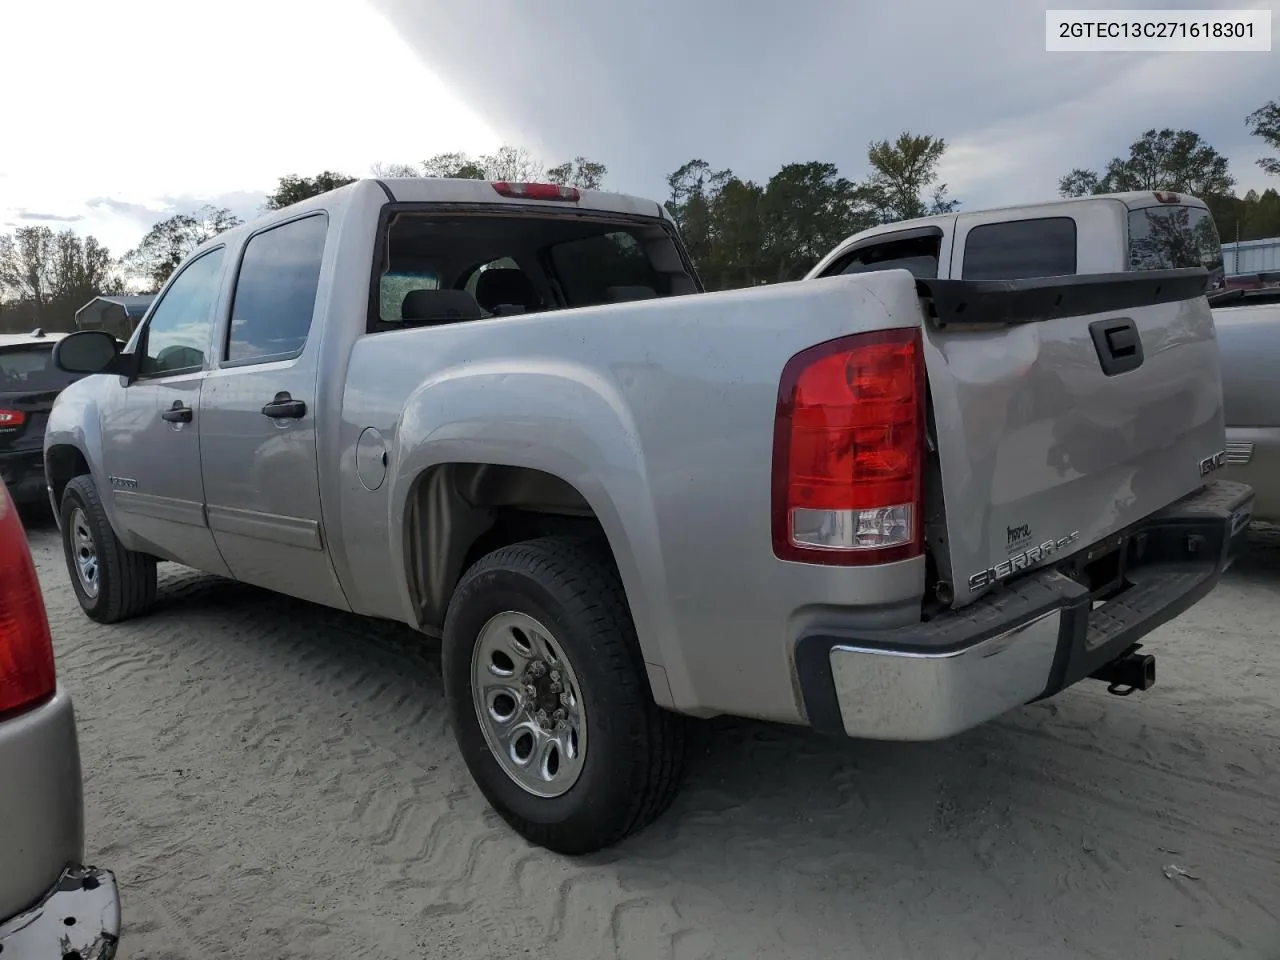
31,369
604,268
1021,249
1174,237
441,268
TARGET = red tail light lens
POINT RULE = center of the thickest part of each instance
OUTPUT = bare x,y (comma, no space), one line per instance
27,676
1162,197
848,451
12,418
537,191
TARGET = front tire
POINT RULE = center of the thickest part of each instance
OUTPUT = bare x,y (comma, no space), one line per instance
111,583
549,698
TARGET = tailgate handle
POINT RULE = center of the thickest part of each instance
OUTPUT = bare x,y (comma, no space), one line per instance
1118,344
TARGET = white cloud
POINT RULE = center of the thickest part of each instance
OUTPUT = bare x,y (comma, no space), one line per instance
1022,158
141,101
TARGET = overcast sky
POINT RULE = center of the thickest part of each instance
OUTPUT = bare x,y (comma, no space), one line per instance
135,115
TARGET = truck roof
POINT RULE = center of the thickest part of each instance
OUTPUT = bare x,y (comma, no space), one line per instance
443,190
1133,199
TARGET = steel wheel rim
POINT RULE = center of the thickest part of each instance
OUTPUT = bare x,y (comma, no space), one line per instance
529,704
84,553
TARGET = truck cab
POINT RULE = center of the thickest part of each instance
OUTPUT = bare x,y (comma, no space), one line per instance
1103,234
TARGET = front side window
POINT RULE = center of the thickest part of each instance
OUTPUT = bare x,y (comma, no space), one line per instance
177,336
275,294
1021,249
918,255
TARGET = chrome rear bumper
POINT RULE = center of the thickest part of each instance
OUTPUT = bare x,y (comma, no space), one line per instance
1029,640
919,695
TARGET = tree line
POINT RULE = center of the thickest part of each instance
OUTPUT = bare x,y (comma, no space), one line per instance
739,232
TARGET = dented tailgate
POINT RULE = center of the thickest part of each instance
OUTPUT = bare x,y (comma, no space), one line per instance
1065,410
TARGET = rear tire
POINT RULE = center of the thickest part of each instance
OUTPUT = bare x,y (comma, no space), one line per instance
563,597
111,583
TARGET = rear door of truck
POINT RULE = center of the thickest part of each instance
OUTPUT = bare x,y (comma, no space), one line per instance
1070,400
1070,397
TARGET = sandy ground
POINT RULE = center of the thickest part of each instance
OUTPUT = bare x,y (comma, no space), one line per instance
272,779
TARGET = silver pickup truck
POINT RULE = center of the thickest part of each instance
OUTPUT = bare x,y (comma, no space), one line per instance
506,415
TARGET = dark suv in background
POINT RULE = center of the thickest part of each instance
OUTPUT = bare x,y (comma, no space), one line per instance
29,382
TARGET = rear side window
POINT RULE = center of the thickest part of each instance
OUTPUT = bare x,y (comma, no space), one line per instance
30,369
605,268
1174,237
1021,249
394,287
276,291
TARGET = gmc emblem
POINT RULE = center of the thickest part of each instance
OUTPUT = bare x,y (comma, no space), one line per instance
1209,464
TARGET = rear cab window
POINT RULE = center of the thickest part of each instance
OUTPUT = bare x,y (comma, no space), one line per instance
29,368
1175,236
438,267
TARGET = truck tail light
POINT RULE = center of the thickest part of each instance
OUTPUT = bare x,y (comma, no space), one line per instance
848,451
537,191
12,418
27,676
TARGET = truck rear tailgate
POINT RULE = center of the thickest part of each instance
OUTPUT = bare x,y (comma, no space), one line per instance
1065,409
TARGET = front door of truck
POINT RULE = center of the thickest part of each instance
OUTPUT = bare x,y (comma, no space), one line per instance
151,424
258,439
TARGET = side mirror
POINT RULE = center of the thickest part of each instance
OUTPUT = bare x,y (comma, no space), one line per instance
88,351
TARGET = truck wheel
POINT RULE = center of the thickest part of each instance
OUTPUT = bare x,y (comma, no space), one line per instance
111,583
549,699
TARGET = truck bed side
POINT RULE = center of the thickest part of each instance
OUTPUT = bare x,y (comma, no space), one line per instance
660,414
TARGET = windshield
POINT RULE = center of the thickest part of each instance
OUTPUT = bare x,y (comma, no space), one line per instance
1175,237
30,369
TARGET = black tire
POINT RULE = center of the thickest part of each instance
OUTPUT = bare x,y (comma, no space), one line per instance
126,580
635,753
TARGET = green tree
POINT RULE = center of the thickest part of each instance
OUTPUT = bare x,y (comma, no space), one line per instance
903,172
807,209
26,267
579,172
515,164
694,188
454,165
394,170
45,276
293,188
1265,123
171,241
1176,160
1079,183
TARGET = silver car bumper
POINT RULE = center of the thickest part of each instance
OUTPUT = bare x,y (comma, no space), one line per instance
921,695
1034,638
78,917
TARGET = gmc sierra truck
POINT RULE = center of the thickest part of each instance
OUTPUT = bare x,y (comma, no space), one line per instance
506,415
